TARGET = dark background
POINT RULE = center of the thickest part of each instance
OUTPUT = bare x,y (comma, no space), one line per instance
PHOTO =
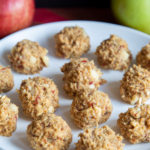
97,10
73,3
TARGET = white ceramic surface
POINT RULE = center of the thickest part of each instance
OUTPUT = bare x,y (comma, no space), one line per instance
98,31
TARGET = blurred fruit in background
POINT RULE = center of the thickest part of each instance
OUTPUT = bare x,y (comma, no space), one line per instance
15,15
133,13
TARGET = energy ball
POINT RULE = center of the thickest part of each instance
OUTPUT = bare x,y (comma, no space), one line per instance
135,124
135,85
90,108
8,116
113,53
49,132
39,95
103,138
143,57
81,74
71,42
6,79
28,57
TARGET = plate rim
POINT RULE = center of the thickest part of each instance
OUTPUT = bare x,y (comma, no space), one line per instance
75,21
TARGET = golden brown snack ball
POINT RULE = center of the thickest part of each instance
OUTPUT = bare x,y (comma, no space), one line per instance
8,116
143,57
49,132
6,79
38,95
113,53
135,85
71,42
103,138
90,108
81,74
28,57
135,124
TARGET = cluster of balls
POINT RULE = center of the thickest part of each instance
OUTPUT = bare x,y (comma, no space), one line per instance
113,53
90,107
38,96
82,79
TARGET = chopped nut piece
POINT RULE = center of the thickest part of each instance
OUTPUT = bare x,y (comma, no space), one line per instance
51,109
92,86
13,107
33,59
45,60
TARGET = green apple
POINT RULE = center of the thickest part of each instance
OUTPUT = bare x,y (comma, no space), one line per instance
133,13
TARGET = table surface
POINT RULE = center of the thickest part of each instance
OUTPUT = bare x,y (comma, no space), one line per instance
98,14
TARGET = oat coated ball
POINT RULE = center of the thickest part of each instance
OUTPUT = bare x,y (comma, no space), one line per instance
38,95
113,53
8,116
6,79
135,85
28,57
103,138
143,57
135,124
81,74
71,42
49,132
90,108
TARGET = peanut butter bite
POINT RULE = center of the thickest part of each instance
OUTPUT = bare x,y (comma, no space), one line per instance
103,138
6,79
135,85
8,116
71,42
90,108
135,124
49,132
81,74
143,57
39,96
113,53
28,57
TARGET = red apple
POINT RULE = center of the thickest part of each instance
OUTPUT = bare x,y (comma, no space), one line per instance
15,15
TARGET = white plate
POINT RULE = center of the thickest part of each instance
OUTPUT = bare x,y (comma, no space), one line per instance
44,35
